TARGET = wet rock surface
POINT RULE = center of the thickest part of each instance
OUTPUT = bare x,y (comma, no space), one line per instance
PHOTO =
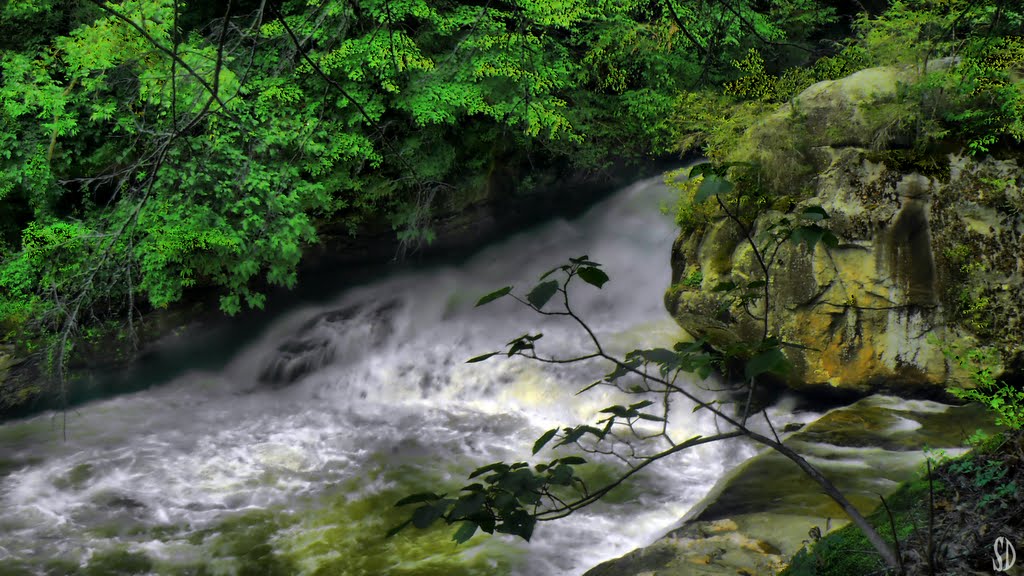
329,338
763,512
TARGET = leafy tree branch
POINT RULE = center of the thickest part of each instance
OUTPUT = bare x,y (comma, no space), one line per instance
513,497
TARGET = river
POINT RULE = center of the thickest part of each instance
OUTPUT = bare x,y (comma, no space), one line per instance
286,457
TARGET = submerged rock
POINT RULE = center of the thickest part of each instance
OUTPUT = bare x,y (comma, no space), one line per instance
329,338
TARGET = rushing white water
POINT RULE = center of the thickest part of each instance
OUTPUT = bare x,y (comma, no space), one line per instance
349,396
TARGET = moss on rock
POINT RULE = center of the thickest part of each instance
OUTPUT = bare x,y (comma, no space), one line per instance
929,248
762,513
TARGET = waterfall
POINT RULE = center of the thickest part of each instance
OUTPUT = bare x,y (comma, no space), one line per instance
291,453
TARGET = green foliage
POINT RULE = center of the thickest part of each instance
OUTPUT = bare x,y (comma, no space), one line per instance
987,476
510,498
139,160
690,215
500,504
971,306
694,278
714,122
758,84
979,99
846,552
987,95
1006,401
1003,399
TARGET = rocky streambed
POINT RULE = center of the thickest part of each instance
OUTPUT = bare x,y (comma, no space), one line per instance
764,511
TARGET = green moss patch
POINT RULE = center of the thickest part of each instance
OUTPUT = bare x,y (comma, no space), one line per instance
847,552
77,478
346,537
977,498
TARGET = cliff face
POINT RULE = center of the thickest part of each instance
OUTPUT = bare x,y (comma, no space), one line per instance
929,256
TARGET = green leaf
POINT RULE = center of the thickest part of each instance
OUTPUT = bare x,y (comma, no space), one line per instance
494,295
424,516
417,498
490,467
541,293
574,434
617,410
712,186
560,475
702,169
768,361
658,355
724,287
482,357
573,460
812,235
652,418
830,239
467,506
593,276
544,439
520,524
553,270
486,523
396,529
524,342
465,532
583,261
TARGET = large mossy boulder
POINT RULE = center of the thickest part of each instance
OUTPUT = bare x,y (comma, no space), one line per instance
931,254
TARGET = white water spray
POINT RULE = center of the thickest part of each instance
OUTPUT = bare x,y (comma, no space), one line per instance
379,375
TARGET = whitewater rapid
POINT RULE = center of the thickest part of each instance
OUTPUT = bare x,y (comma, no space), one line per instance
366,396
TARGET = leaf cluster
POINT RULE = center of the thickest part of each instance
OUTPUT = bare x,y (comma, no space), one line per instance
502,501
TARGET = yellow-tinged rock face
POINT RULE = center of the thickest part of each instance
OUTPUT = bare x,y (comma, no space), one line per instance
923,261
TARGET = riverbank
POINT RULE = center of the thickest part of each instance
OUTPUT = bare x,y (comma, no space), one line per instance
766,511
